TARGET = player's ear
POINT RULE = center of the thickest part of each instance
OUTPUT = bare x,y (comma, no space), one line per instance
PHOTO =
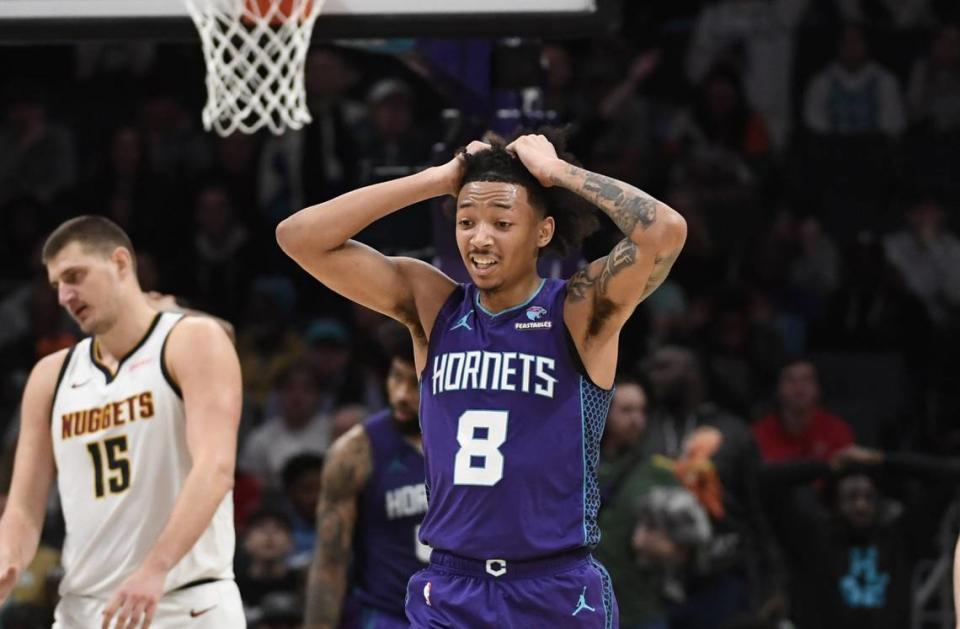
123,260
545,231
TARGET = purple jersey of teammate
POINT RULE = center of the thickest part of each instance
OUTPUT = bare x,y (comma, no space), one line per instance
511,430
391,506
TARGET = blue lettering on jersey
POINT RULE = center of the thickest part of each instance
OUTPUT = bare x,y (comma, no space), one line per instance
494,371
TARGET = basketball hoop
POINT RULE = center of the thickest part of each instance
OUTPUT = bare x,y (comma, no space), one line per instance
255,52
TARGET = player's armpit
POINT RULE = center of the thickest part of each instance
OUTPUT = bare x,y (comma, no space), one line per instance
346,469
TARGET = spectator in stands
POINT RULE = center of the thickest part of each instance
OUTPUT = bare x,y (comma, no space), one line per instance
128,194
721,119
175,148
800,428
560,94
390,139
36,155
723,149
267,344
854,95
757,37
855,558
624,477
934,89
221,251
301,487
263,566
927,258
729,581
329,355
320,161
617,127
298,429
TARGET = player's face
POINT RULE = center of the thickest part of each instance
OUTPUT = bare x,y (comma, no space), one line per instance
268,540
499,233
87,284
403,392
628,413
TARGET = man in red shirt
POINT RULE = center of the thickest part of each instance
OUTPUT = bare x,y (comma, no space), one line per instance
800,428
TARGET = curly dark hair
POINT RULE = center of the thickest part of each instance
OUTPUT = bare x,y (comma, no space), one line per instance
575,217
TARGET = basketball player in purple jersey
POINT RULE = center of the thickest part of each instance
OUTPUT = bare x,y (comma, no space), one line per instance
373,495
516,372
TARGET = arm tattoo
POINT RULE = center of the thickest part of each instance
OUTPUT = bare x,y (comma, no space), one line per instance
347,469
622,256
626,205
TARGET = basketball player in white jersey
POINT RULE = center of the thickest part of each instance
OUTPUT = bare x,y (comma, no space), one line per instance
139,423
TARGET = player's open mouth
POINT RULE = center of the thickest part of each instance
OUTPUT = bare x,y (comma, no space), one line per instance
79,312
483,263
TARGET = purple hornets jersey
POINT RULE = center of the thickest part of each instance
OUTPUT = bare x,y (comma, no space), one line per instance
511,430
386,549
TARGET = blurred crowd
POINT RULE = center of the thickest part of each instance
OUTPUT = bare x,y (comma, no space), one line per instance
778,450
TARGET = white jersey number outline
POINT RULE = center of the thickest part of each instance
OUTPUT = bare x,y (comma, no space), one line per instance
480,435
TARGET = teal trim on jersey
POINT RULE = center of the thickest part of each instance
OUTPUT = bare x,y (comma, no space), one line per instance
606,593
583,477
533,296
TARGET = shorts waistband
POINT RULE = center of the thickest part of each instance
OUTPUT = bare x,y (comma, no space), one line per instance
509,569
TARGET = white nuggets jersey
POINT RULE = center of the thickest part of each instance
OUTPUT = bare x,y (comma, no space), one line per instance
120,445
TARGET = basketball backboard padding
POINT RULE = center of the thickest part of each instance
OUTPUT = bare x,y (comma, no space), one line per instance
66,20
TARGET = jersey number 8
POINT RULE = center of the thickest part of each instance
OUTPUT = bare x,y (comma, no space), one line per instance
480,435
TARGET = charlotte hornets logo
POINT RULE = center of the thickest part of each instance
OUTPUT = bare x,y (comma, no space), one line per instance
534,314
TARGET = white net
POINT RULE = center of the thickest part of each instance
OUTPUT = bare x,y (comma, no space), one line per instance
255,51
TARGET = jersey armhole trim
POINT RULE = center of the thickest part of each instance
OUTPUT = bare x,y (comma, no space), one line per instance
438,324
56,387
163,360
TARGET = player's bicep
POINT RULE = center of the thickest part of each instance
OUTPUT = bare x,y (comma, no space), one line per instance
388,285
204,365
34,468
609,289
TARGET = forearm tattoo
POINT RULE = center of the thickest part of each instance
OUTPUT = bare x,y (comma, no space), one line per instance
626,205
622,256
336,515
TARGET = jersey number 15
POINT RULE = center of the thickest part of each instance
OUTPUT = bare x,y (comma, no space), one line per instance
116,472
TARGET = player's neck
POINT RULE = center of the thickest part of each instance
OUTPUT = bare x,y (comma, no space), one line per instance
127,332
510,296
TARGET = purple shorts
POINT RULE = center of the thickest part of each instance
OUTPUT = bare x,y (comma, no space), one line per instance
572,591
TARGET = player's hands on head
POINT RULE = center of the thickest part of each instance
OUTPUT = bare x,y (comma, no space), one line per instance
8,578
539,157
453,170
135,601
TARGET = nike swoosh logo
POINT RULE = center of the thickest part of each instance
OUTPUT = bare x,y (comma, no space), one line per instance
194,613
77,385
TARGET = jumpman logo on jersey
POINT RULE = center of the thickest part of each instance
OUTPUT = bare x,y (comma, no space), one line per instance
582,604
462,323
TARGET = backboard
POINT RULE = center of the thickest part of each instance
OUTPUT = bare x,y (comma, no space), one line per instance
70,20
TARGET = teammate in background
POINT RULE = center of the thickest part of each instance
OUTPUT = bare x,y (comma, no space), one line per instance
372,496
139,421
516,371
